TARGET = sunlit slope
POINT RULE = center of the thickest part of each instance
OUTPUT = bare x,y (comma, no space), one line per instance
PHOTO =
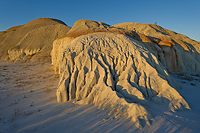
176,51
25,41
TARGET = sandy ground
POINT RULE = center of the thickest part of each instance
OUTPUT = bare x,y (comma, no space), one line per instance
28,104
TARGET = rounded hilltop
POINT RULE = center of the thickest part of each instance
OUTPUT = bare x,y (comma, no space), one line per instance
84,27
31,41
46,21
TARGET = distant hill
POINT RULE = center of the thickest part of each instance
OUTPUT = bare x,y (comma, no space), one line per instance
31,41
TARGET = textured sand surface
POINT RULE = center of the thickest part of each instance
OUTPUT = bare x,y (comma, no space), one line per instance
28,104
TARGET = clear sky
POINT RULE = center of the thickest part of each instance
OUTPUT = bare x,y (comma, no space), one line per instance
182,16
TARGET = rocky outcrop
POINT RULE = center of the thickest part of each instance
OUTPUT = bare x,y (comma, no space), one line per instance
175,51
120,69
84,27
114,72
32,41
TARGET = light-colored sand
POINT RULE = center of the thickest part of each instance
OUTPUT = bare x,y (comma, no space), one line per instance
27,105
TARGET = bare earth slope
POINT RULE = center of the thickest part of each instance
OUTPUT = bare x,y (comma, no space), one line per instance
176,52
83,27
33,39
117,73
120,69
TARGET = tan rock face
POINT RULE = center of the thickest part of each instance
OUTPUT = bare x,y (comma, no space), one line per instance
114,72
84,27
32,41
121,68
177,52
37,44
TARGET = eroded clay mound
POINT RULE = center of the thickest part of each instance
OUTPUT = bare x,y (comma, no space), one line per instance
84,27
116,73
175,51
32,40
37,44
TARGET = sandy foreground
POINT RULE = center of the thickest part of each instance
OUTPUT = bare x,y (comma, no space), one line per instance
28,104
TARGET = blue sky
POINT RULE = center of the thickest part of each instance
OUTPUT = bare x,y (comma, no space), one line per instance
182,16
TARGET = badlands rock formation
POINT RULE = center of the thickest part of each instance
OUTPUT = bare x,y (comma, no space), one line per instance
120,68
113,71
32,41
82,27
175,51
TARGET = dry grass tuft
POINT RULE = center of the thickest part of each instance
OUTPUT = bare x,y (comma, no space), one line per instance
48,90
163,41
